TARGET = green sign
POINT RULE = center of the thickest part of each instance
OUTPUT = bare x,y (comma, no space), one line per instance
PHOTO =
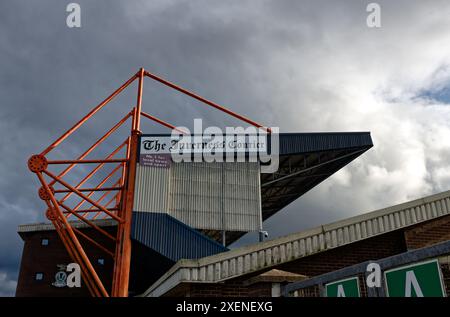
417,280
343,288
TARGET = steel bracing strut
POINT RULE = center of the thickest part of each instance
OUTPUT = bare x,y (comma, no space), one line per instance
119,207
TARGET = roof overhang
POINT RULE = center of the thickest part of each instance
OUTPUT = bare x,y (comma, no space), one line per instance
305,160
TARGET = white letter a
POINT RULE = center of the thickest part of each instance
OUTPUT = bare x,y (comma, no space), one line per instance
74,278
374,18
74,18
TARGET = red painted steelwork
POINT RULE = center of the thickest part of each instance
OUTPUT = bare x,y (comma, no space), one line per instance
123,188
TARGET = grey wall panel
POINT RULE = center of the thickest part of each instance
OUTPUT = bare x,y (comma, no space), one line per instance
152,189
241,196
194,197
216,195
219,196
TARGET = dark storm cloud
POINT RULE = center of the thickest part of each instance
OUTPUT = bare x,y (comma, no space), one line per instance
301,65
52,75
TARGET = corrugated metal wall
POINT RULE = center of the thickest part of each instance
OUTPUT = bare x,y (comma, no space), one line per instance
195,194
152,189
242,200
219,196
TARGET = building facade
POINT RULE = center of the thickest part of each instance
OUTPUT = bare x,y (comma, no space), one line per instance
262,269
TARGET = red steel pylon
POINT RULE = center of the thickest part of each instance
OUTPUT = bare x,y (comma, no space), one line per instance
118,208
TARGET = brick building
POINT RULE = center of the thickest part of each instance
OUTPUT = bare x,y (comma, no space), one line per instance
43,253
371,236
256,270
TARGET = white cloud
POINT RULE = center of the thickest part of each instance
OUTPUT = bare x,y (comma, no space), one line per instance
7,285
343,76
316,66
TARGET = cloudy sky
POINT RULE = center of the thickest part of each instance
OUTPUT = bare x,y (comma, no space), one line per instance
300,65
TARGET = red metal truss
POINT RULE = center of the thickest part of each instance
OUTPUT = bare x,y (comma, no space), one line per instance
116,190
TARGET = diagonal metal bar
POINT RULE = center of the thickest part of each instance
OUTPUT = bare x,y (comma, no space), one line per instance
98,245
106,206
88,222
101,199
76,191
72,237
92,147
89,115
111,174
157,120
95,170
74,256
206,101
72,251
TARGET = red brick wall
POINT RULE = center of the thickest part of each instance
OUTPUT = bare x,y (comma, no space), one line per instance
37,258
371,249
428,233
378,247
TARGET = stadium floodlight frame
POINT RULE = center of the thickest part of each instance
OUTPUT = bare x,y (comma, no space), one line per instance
119,207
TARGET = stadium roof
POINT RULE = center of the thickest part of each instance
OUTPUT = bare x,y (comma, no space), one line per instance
306,159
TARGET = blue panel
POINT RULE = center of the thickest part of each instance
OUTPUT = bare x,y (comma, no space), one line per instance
297,143
171,238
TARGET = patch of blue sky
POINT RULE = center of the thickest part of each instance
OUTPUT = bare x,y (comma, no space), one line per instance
441,95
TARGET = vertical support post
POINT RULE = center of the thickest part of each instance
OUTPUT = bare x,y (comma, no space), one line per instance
123,247
139,100
224,238
261,236
322,290
222,205
261,232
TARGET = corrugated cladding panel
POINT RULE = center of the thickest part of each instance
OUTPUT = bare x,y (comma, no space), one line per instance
195,194
291,143
171,238
216,195
152,189
241,196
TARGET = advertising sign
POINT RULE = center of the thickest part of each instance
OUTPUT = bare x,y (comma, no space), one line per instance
416,280
343,288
